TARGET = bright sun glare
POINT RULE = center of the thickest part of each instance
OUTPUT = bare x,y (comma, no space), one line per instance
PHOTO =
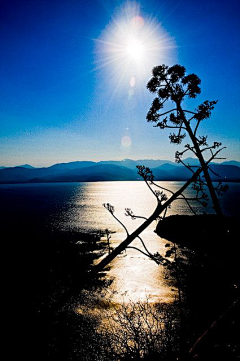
131,45
134,49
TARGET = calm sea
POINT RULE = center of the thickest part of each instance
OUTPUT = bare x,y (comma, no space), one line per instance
79,206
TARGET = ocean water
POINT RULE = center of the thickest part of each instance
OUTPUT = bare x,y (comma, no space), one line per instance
79,206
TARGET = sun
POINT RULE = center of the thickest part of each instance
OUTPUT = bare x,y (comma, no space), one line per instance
134,49
131,45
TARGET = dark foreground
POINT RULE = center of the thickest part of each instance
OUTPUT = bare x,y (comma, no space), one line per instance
47,271
210,283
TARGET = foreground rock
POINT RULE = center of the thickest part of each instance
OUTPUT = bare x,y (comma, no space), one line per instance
207,272
199,231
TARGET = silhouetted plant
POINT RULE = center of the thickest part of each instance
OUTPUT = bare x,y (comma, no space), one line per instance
172,84
108,236
140,331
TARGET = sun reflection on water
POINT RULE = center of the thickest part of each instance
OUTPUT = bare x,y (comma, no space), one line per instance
135,276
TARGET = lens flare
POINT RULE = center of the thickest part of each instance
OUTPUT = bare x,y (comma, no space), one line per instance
131,45
126,141
132,82
137,21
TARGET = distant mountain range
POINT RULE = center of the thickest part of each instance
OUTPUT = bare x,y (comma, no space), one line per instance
124,170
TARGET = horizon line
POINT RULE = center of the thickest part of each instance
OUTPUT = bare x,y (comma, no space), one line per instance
106,160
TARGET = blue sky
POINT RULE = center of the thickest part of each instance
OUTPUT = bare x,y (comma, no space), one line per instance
61,102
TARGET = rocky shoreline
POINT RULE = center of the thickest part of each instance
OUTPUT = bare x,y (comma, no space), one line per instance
207,269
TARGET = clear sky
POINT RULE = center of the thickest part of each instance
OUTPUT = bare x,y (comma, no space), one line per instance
73,79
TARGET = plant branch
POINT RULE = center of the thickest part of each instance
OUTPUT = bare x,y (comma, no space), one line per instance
158,210
189,111
161,187
132,215
110,209
169,111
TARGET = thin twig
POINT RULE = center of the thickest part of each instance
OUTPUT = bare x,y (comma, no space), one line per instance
169,111
118,220
161,187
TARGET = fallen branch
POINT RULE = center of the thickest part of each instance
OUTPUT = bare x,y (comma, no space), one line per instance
158,210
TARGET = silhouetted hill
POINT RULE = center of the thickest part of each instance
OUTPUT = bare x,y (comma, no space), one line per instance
112,171
194,161
71,165
129,163
231,162
21,174
181,173
13,175
26,174
26,166
98,172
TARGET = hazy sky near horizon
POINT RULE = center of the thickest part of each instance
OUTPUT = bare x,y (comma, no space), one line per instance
73,78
